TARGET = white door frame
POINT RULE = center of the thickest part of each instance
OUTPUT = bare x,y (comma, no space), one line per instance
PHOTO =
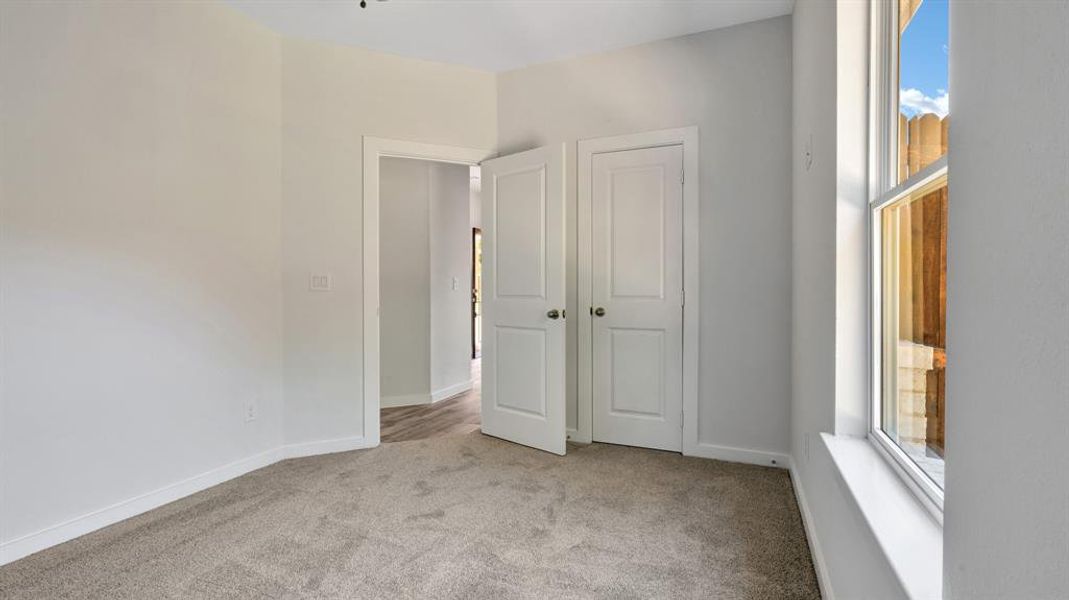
688,138
375,149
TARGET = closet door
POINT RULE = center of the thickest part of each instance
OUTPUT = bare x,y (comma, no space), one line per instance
637,297
523,388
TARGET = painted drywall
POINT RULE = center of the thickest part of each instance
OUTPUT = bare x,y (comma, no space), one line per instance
450,278
1007,490
813,226
731,83
476,203
164,205
828,344
331,97
497,36
140,295
405,280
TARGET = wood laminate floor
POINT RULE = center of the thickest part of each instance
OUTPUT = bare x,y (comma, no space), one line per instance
457,415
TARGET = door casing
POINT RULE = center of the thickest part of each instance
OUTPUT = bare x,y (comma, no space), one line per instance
375,149
688,138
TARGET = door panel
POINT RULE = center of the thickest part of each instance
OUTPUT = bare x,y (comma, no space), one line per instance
519,216
637,279
521,353
637,372
523,391
636,229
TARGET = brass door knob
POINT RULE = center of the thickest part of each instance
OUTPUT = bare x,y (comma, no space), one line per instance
599,312
553,313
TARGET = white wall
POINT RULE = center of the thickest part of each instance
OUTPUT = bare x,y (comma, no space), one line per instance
732,83
331,96
450,243
828,348
476,203
140,296
813,225
173,173
405,280
1007,490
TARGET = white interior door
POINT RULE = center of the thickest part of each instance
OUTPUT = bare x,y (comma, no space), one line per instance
523,387
637,297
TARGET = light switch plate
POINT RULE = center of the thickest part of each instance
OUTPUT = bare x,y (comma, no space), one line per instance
321,282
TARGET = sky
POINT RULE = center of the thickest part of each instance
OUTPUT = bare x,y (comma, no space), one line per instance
923,68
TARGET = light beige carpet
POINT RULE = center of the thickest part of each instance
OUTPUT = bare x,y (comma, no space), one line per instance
455,517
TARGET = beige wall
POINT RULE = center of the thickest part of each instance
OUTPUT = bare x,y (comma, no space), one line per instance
331,97
731,83
172,175
140,254
404,279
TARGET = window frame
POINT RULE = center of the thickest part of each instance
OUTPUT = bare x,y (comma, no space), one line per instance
884,191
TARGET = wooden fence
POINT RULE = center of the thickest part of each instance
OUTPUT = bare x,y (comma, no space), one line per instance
921,140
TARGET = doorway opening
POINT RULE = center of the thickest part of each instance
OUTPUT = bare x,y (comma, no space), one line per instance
429,310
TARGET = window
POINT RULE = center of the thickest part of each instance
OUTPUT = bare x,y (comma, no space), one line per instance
909,207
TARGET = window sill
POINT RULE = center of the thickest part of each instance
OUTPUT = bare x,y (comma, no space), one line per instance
907,534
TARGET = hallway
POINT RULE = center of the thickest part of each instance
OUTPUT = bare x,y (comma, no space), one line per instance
454,416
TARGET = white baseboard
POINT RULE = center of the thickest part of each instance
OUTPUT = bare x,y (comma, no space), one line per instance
404,400
453,390
815,550
435,396
740,455
574,435
326,447
26,545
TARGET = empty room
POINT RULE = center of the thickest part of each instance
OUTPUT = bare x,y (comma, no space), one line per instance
728,299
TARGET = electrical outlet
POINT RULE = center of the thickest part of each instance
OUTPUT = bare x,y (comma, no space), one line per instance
456,283
250,410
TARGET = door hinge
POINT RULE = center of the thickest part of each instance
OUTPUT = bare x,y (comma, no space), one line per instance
683,298
682,177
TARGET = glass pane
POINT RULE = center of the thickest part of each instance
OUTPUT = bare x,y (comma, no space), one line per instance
914,285
923,99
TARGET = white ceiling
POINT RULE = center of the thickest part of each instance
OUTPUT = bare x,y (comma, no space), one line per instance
499,35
